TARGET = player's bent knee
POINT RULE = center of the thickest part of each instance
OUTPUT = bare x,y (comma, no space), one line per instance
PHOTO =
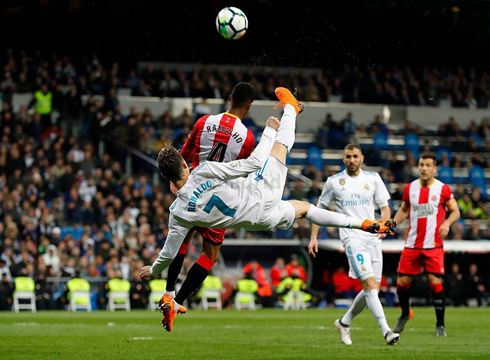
369,283
301,208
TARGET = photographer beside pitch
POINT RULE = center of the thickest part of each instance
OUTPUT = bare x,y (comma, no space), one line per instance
218,195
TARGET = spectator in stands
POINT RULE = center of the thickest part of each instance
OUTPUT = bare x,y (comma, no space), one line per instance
348,127
466,206
42,102
295,266
396,167
378,123
301,231
455,285
473,233
299,191
342,284
258,274
445,171
5,270
475,285
277,272
410,168
139,291
309,171
6,290
315,190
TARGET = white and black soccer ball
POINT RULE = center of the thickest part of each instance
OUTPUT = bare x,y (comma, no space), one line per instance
231,23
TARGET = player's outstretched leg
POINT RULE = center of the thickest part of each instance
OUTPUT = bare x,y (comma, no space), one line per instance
327,218
286,133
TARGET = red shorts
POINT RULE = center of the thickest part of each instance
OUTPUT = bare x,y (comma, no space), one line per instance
412,260
214,236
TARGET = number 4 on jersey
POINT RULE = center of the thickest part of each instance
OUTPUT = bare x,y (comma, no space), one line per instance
220,205
217,152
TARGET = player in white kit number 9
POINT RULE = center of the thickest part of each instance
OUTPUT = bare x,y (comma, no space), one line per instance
356,193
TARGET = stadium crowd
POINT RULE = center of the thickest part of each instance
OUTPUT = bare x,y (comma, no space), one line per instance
24,72
68,208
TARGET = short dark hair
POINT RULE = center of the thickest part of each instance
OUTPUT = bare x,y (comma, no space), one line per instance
353,146
170,163
429,155
242,94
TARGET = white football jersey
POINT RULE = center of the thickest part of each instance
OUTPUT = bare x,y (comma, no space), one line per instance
225,195
356,197
220,196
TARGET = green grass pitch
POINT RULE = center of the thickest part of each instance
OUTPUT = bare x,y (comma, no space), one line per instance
230,334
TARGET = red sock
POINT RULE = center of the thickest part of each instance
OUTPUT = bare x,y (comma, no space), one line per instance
183,248
205,262
436,288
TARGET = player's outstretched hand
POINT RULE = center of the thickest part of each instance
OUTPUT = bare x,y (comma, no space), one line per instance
273,122
313,247
145,273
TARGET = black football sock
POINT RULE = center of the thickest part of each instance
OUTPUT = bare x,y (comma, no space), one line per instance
174,271
439,302
403,292
195,277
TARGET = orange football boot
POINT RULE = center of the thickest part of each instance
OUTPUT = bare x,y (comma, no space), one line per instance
169,313
285,97
386,226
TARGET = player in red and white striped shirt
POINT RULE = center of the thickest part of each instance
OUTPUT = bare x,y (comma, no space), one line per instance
424,202
221,138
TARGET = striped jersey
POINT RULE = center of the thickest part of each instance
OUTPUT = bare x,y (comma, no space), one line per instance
427,212
221,138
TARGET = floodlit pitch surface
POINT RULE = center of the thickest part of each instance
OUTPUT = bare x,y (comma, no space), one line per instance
230,334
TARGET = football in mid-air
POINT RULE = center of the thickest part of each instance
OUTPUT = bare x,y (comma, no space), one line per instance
231,23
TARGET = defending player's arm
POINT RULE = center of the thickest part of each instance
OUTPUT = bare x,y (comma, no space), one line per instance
323,202
404,209
176,235
402,213
189,147
454,214
240,168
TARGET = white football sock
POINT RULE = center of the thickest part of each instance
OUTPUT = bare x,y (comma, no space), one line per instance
176,305
285,133
374,304
170,293
324,217
358,305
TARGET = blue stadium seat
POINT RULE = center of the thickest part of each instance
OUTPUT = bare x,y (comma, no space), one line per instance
412,144
445,174
315,156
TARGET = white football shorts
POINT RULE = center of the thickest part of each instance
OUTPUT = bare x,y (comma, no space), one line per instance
365,259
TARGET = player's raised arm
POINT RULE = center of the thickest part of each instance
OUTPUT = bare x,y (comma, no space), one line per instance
404,209
176,235
189,147
239,168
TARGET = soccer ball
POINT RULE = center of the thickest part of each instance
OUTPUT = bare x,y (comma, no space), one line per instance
231,23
